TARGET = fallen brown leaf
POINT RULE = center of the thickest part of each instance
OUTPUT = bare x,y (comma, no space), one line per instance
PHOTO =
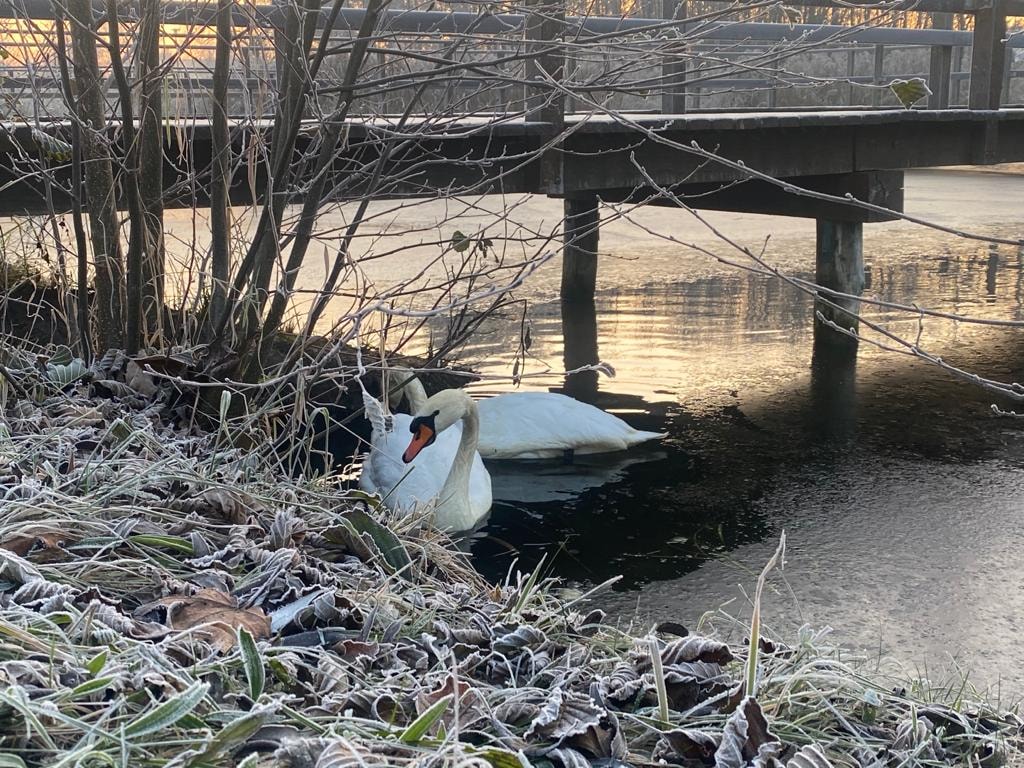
45,545
217,614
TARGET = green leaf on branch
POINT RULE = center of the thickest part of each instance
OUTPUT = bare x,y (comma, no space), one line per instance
460,242
909,92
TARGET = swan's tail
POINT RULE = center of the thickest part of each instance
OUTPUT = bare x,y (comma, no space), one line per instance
640,436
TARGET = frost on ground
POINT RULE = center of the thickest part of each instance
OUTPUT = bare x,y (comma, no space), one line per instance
170,599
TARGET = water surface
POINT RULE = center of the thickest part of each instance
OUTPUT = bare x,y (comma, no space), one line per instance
901,494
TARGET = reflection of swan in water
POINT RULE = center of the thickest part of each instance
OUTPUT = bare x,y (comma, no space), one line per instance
542,425
454,507
404,486
539,481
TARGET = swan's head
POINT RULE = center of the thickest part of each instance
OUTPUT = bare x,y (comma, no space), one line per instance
435,415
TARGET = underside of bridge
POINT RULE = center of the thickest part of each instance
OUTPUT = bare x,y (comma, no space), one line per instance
840,203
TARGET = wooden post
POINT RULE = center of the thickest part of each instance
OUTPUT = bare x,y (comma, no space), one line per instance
876,75
545,28
956,87
851,70
1004,97
579,348
940,65
987,55
673,98
832,410
840,267
579,252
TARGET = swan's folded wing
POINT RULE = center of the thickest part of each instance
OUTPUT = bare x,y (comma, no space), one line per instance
544,424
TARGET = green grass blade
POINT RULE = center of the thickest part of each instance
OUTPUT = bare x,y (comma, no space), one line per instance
418,728
168,713
252,660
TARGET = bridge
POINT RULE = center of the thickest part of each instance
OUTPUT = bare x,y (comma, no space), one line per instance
546,134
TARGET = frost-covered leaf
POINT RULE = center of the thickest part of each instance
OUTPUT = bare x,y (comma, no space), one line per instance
809,756
686,744
565,714
62,375
696,648
522,637
517,712
745,734
389,546
51,148
622,685
286,614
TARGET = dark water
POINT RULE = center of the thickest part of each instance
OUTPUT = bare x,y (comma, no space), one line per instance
901,494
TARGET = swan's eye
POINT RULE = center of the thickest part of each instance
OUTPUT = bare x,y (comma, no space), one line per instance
437,413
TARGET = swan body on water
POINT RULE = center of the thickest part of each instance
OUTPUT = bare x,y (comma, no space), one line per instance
454,507
540,425
544,425
405,487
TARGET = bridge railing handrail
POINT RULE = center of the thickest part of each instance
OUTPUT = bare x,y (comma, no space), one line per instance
990,67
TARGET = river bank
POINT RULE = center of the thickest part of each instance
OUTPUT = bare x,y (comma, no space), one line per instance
171,599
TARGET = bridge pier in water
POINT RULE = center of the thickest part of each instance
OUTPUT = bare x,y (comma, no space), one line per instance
581,235
839,266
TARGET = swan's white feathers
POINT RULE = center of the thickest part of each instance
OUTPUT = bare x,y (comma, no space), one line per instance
407,486
541,425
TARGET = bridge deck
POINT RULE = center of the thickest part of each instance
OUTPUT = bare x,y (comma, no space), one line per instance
599,154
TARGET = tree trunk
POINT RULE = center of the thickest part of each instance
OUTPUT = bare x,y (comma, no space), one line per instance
151,166
128,175
220,224
108,263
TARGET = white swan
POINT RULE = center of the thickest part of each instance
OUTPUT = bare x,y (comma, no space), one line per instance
453,508
403,487
539,425
544,425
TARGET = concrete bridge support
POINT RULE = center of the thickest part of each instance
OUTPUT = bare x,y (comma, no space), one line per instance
839,266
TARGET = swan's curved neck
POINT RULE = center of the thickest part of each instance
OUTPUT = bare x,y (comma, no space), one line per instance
412,387
415,394
456,486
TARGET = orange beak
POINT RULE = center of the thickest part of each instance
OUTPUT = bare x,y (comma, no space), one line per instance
423,437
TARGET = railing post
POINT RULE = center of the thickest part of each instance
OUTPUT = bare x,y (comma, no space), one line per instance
876,75
988,53
545,29
851,70
673,98
956,86
1004,97
940,65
